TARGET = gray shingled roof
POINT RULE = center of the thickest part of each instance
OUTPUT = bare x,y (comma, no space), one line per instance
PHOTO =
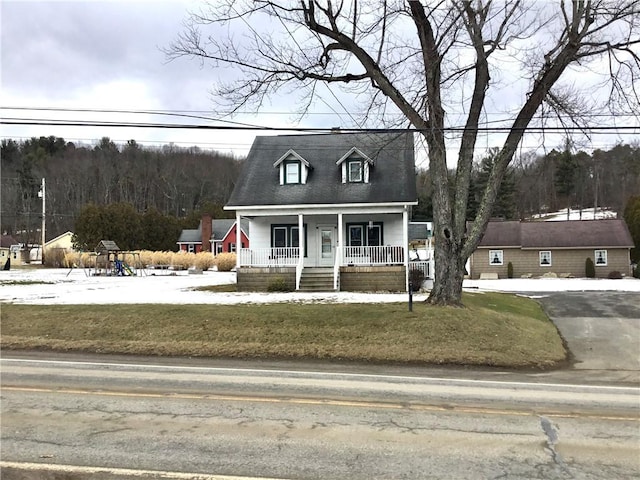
502,234
7,241
563,234
392,174
418,231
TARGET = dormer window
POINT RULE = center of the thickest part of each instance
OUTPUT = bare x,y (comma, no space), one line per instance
356,167
293,169
355,171
292,172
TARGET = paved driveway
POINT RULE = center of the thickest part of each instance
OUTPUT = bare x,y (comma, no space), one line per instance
602,329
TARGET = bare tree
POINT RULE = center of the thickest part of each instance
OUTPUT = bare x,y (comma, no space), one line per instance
412,63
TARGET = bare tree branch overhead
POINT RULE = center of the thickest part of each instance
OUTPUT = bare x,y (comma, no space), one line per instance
431,66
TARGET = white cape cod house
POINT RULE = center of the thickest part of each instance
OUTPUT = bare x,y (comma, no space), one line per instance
327,212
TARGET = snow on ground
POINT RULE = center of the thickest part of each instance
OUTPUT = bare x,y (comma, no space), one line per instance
575,214
64,286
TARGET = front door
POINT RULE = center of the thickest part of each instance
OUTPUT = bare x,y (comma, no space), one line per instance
326,243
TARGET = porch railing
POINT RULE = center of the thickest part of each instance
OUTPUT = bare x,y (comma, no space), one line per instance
269,257
423,265
385,255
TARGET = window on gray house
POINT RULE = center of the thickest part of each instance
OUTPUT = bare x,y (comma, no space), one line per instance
356,174
545,258
496,257
601,258
292,172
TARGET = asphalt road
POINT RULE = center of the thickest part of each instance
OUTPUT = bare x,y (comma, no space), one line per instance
262,422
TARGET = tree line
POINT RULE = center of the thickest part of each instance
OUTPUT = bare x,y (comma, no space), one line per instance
560,179
169,181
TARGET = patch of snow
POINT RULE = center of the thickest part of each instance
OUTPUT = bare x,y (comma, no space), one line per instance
64,286
576,214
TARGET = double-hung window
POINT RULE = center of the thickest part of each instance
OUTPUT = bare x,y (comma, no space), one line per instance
356,235
496,257
292,172
545,258
601,258
355,169
364,235
283,236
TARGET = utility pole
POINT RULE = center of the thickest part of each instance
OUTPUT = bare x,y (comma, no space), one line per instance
41,194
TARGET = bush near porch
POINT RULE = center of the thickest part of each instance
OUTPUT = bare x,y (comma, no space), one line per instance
493,329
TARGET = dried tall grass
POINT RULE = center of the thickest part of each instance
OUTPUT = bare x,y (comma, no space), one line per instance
161,258
183,260
204,260
225,261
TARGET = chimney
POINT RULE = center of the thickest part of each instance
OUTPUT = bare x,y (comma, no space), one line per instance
206,232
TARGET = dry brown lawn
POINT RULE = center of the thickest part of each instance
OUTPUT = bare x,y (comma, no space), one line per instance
492,330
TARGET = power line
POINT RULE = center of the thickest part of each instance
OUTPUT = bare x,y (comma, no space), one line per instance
201,113
92,123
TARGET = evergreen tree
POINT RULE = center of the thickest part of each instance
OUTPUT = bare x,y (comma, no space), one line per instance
632,217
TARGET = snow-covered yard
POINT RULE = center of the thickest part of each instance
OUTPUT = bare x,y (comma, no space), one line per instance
64,286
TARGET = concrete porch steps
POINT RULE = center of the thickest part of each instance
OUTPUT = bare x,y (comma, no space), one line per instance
317,279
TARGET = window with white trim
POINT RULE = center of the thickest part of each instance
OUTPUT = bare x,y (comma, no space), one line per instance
232,247
191,248
356,235
279,237
364,235
287,235
355,169
601,258
545,258
496,257
219,247
292,172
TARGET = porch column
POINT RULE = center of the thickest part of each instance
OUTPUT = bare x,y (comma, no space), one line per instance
238,240
405,236
339,252
300,250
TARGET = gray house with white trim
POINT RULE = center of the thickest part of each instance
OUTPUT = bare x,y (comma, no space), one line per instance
327,212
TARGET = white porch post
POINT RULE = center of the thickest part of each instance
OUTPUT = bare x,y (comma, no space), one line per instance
238,240
300,250
405,236
339,252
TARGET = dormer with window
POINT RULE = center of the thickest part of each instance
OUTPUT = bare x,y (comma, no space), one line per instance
356,167
293,168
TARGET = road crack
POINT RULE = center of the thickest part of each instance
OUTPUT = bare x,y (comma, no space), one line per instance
551,432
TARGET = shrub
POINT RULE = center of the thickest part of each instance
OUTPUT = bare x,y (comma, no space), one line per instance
278,284
636,271
183,260
615,274
225,261
161,258
416,279
509,270
589,268
54,257
87,260
146,257
71,259
204,260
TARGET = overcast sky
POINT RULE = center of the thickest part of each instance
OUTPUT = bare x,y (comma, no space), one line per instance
104,55
107,55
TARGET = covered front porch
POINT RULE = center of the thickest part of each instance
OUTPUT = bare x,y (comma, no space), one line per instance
316,250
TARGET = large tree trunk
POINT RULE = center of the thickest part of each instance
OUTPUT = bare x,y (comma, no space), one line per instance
449,274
